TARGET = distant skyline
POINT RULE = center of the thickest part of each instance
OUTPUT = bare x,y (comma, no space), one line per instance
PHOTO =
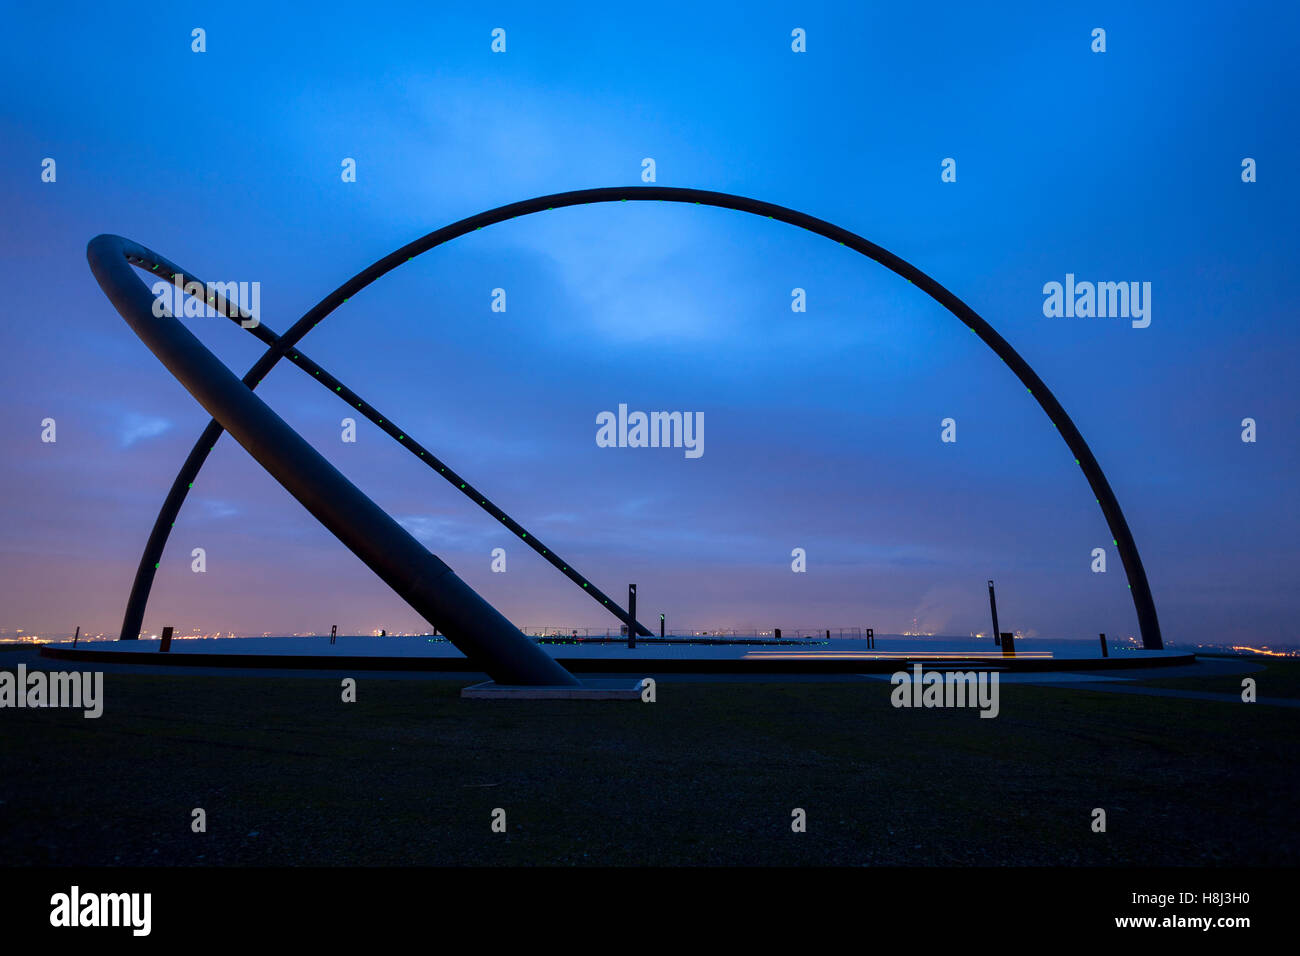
823,427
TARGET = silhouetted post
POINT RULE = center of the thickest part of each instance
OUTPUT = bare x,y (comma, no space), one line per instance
1008,644
871,638
166,644
77,635
993,606
828,633
778,633
1104,652
631,616
334,633
661,626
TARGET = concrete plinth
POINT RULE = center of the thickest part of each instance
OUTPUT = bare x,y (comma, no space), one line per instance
596,688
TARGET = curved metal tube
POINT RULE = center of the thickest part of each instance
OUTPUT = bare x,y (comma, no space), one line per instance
419,577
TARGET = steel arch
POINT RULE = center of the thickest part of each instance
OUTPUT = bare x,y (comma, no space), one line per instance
1143,602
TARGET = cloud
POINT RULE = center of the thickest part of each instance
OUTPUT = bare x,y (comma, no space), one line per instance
136,427
438,532
212,508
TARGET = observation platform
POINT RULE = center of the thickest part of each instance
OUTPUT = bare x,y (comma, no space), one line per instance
673,655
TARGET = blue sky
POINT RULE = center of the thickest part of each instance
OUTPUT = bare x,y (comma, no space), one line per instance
822,428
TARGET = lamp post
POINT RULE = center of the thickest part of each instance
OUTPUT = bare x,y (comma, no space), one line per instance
993,606
631,617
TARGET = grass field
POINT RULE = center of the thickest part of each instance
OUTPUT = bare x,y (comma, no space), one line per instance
709,774
1280,677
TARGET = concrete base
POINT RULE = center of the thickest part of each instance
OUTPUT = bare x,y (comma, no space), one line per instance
595,688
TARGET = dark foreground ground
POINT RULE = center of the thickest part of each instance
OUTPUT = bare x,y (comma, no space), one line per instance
410,774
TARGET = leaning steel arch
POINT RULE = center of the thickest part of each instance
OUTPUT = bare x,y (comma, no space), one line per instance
110,255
